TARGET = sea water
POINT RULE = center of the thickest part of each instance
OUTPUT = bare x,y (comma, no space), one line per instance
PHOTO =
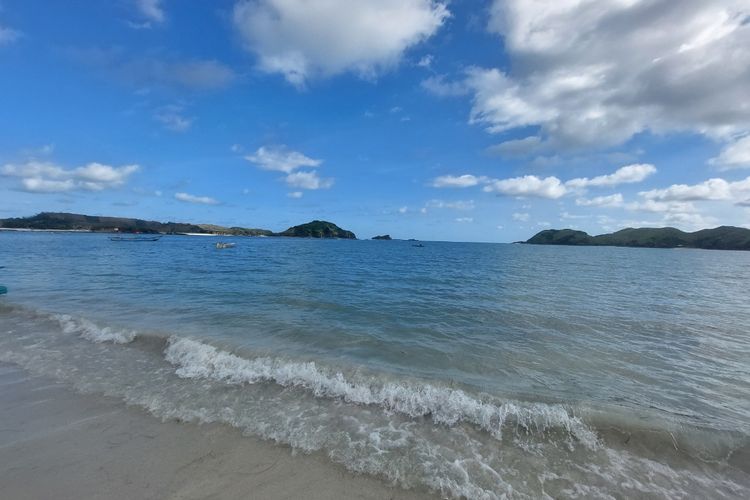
473,370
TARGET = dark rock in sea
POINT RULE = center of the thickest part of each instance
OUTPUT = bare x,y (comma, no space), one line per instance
383,237
318,229
720,238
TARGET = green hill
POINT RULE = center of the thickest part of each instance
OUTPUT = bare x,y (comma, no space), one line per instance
318,229
78,222
720,238
66,221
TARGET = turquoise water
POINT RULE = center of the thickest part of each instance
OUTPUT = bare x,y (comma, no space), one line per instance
479,370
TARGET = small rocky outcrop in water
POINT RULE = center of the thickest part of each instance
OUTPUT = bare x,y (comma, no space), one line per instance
383,237
318,229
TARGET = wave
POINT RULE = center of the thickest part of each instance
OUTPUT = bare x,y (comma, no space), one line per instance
90,331
412,433
447,406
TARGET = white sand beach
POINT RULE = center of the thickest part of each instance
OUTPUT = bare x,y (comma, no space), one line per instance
56,443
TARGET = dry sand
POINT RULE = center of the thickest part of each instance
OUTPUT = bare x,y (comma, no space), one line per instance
56,443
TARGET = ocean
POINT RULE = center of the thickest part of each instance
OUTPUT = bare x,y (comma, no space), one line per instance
472,370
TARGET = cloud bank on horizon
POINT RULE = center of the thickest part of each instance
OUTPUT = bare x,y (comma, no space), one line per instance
383,114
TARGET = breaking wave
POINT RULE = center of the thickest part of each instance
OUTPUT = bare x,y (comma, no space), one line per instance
90,331
446,406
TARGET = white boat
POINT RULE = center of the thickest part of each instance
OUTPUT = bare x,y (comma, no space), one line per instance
224,244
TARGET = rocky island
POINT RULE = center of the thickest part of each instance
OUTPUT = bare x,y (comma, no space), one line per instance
720,238
382,237
318,229
60,221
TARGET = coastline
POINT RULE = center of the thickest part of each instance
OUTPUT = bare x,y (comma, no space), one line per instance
57,442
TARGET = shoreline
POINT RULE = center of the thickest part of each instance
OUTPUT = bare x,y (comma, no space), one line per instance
58,442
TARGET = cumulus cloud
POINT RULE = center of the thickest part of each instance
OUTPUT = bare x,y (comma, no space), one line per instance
307,180
200,200
550,187
628,174
426,61
281,159
614,200
517,147
301,39
151,10
453,181
677,203
711,189
47,177
597,72
528,186
295,194
8,35
521,216
734,155
173,118
440,86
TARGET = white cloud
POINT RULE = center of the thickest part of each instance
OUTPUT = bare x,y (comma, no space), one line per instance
307,180
200,200
8,35
281,159
464,219
453,205
460,181
295,194
629,174
301,39
151,10
426,61
521,216
439,86
403,210
517,147
734,155
528,185
172,117
597,72
40,185
549,187
47,177
614,200
711,189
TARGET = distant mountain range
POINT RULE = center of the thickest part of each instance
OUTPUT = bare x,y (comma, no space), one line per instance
720,238
60,221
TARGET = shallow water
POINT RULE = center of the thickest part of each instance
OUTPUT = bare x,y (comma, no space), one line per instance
479,370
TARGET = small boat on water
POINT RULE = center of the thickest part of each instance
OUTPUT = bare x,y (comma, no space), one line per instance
135,238
224,244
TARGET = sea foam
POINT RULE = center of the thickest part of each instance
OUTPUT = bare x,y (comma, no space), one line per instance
90,331
444,405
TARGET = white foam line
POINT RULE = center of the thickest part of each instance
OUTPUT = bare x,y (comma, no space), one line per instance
195,359
92,332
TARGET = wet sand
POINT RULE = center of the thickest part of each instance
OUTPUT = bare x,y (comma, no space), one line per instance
56,443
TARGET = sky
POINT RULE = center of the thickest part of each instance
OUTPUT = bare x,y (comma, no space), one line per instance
462,120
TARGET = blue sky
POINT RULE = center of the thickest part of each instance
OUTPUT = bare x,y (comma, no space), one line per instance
461,120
